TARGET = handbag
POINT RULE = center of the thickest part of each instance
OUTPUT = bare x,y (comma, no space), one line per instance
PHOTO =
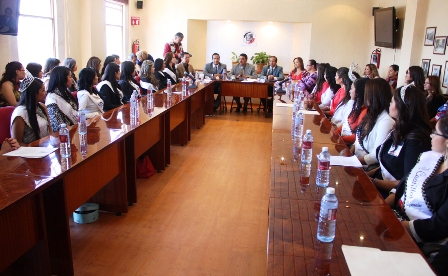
145,168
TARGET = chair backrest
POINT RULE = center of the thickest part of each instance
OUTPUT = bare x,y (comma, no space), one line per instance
5,122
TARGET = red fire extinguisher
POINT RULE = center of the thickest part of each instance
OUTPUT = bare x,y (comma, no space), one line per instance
135,46
375,58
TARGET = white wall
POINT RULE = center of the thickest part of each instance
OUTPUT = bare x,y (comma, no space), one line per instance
274,38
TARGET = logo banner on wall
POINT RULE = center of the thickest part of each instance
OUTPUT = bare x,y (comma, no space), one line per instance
249,38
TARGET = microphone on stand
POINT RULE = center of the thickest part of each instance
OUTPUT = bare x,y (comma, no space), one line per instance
193,85
280,89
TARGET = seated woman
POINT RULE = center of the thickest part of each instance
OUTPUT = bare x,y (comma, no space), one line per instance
35,69
434,96
333,87
341,74
421,197
147,78
62,106
161,77
415,75
109,59
345,106
308,82
376,124
170,66
349,125
371,71
398,154
95,63
141,57
71,64
29,121
392,75
88,98
10,82
299,71
109,89
321,84
127,82
50,63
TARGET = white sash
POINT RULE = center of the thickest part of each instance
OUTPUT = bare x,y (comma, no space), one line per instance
20,111
64,106
169,72
414,199
384,172
147,85
99,85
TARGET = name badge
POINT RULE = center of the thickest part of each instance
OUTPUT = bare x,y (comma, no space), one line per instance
395,151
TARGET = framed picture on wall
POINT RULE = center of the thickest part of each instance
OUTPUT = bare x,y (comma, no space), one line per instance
425,66
430,35
440,45
445,75
9,15
436,70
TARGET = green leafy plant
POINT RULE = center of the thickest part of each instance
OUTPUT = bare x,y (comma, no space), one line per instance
260,58
235,57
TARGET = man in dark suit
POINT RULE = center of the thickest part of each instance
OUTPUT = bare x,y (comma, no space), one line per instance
214,70
271,72
242,70
184,66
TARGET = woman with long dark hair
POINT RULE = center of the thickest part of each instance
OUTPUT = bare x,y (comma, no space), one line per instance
409,137
50,63
170,66
95,63
35,69
70,63
62,106
416,76
343,109
109,89
127,82
88,98
109,59
29,121
349,125
10,83
341,76
299,71
333,87
321,84
376,124
434,96
161,77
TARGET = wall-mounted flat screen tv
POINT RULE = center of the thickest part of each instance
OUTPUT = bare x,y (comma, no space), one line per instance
385,27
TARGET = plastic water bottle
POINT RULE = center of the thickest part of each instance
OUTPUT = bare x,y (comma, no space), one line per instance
196,75
168,88
184,86
326,227
307,147
82,130
323,168
302,98
298,131
322,258
64,137
134,107
224,74
150,102
293,119
305,171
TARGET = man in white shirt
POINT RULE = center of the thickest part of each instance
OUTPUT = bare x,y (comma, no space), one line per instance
271,72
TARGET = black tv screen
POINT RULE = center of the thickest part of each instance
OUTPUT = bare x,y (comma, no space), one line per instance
385,27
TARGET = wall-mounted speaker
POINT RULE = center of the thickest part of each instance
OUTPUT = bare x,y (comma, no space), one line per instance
139,4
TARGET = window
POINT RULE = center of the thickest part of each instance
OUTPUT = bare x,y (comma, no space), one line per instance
36,31
114,28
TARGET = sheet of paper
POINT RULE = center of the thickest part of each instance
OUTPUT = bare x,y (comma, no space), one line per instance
250,80
310,112
31,152
368,261
284,104
351,161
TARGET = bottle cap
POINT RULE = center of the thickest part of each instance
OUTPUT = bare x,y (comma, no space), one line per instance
308,131
63,125
324,148
330,190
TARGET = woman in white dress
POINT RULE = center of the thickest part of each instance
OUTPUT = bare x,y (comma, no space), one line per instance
88,98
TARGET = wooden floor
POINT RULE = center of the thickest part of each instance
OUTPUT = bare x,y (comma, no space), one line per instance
206,214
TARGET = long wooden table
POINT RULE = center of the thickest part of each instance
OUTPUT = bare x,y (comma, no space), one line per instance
363,218
38,196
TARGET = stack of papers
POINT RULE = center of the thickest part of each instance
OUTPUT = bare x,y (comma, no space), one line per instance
351,161
372,261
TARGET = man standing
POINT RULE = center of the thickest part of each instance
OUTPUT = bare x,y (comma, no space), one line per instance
184,66
214,70
241,71
175,46
271,72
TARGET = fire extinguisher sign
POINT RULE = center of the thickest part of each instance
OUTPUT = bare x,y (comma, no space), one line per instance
135,20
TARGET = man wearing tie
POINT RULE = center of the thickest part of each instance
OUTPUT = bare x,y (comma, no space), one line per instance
214,70
241,71
184,66
271,72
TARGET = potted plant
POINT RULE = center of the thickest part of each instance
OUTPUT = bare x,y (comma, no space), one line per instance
259,60
235,59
